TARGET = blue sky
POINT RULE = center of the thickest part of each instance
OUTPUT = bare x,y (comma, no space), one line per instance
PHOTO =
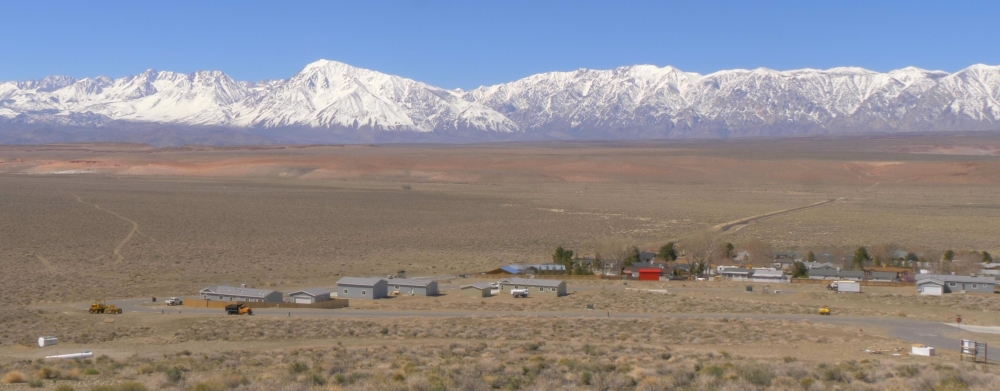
477,42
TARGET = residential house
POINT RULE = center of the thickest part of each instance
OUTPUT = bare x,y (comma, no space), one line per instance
735,273
819,265
242,293
362,288
768,275
544,268
413,287
538,287
481,289
833,274
889,273
937,284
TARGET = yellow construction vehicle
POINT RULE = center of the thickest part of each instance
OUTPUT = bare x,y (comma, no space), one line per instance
97,307
100,308
238,309
824,311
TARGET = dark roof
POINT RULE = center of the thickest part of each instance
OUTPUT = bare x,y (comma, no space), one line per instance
884,275
836,273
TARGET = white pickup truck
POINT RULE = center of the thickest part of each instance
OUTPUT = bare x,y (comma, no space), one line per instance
174,301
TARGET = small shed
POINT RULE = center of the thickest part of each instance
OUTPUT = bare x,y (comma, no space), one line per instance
310,296
649,274
481,289
362,288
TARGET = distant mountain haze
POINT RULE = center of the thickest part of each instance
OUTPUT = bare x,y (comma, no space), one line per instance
330,101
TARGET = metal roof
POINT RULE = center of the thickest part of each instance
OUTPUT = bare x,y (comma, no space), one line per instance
532,282
312,292
836,273
518,269
951,278
234,291
480,286
735,270
410,282
363,281
768,273
884,275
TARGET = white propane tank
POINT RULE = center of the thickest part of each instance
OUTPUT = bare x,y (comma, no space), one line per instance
47,341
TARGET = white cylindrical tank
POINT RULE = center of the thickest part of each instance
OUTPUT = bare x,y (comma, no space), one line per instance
47,341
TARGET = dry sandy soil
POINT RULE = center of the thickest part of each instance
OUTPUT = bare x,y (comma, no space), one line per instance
113,220
84,222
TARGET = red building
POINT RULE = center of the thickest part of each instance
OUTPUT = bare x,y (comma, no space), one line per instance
649,274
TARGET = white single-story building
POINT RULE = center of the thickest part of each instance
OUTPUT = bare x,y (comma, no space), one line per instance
938,284
409,286
310,296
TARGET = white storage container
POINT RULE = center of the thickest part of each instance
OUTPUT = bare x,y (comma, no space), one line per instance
47,341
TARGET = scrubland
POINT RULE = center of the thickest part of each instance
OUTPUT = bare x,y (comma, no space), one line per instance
496,353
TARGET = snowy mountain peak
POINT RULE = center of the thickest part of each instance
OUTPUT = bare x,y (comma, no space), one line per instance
638,101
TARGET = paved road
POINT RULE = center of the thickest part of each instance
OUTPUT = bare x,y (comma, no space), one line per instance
917,331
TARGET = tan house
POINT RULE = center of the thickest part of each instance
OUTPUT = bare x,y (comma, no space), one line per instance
481,289
535,287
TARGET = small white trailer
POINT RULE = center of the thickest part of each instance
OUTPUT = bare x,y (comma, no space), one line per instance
519,293
846,286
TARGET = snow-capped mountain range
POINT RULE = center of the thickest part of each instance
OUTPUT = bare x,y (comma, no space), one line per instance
640,101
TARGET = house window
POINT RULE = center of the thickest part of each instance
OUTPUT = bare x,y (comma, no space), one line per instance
975,286
345,291
541,289
552,289
220,297
364,292
397,287
951,284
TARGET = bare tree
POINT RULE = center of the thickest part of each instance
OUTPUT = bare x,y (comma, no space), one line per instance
761,254
705,248
613,252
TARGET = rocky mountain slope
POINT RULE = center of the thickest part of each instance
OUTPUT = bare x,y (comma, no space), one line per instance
329,100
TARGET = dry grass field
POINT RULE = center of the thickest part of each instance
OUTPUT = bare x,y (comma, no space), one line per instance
483,353
111,221
143,221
